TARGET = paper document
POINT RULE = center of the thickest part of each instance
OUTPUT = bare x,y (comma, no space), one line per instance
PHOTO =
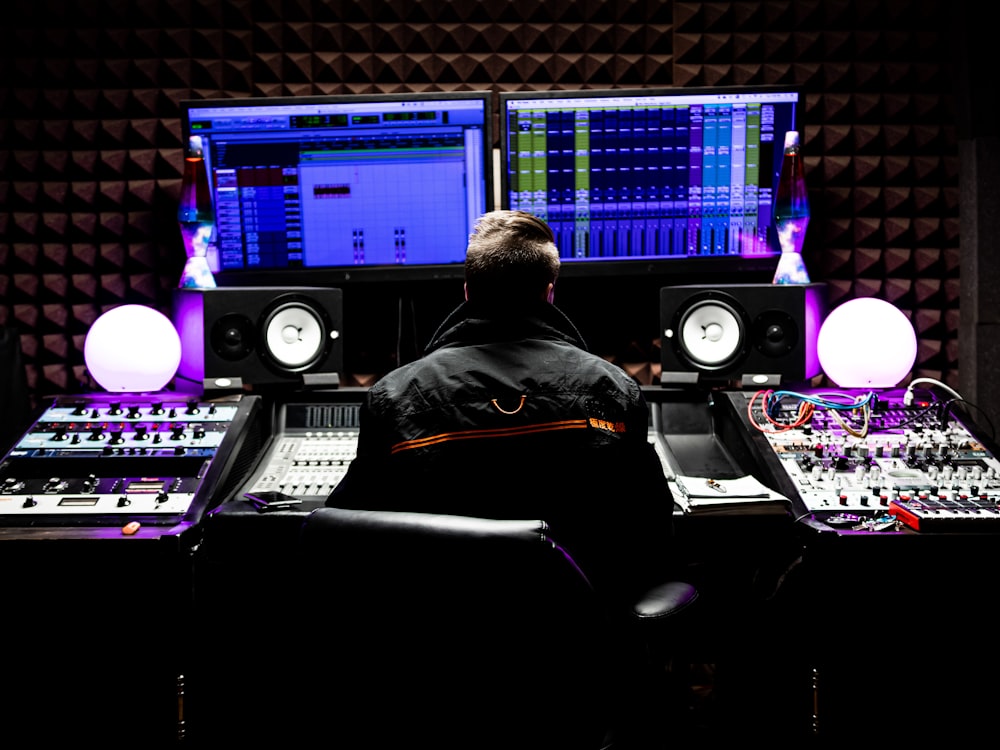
743,494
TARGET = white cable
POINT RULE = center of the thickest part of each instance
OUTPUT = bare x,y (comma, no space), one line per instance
908,395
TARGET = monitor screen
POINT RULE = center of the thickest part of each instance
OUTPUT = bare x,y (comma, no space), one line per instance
649,180
354,185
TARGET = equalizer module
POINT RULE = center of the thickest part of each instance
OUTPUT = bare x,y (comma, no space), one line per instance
109,459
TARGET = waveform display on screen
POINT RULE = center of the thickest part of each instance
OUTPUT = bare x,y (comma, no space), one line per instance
353,181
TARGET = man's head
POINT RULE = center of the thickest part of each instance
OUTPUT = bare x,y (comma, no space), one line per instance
511,260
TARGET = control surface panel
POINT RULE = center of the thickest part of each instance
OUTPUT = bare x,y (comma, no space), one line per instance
872,452
312,444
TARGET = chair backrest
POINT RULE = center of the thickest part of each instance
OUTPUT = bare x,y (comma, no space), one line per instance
451,632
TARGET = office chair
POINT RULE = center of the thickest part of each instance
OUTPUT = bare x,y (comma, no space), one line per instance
460,632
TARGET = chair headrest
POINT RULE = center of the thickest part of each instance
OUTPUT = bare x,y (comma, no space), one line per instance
331,520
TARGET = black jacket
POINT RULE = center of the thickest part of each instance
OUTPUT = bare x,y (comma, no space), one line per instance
508,416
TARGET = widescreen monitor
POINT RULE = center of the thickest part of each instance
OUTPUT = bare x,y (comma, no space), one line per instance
328,189
664,180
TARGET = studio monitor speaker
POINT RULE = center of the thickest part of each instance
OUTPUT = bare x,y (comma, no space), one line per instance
285,337
742,334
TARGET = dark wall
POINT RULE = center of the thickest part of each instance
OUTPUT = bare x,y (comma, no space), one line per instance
979,172
90,143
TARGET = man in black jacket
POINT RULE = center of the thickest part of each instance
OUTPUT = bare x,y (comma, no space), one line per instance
507,415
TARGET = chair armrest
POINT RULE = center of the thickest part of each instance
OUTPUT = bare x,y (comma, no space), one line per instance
665,602
663,619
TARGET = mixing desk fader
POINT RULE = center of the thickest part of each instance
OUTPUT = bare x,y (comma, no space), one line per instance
107,459
862,452
313,440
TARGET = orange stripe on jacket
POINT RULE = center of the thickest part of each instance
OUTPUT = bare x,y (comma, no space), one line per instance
446,437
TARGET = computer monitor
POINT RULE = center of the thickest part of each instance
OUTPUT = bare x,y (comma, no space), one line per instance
323,190
659,180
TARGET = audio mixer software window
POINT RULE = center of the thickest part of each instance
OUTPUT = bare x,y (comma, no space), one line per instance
648,173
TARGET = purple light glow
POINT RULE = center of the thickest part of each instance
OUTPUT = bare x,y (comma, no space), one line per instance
867,343
190,322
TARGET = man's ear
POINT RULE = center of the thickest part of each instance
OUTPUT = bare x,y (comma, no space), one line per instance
550,294
465,290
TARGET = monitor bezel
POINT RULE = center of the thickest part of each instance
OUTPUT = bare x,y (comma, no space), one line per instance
340,275
688,267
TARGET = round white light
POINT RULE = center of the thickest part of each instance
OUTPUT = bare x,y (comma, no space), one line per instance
132,348
866,343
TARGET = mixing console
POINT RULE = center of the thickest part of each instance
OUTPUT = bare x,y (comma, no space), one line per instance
312,444
105,459
917,462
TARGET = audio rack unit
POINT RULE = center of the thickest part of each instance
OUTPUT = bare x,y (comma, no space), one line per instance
112,459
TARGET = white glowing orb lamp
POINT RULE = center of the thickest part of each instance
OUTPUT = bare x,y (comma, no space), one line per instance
866,343
132,349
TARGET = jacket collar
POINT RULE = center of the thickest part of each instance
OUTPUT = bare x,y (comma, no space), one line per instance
471,324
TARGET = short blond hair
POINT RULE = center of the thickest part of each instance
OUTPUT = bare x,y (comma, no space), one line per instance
511,258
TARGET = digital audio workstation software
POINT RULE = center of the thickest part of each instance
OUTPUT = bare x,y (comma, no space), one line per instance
354,180
655,173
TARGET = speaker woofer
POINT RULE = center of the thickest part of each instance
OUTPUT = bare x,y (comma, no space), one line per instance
294,336
711,333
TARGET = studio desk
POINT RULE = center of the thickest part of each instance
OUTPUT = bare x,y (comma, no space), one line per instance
101,501
818,624
815,631
896,518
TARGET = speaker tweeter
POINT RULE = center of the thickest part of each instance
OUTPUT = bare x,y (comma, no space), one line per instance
233,337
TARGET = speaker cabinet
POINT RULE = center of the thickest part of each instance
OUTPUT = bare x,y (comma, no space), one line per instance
286,337
743,334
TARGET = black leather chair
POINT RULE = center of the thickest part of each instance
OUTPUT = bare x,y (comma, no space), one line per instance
457,632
